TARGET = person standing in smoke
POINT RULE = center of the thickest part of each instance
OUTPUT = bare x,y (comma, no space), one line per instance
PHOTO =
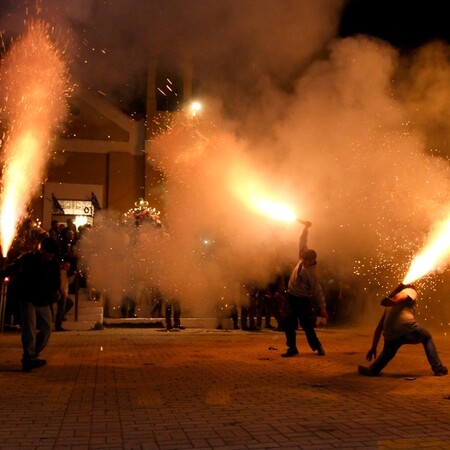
173,306
304,296
399,327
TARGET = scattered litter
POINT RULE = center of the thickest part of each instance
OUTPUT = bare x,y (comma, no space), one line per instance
272,348
409,378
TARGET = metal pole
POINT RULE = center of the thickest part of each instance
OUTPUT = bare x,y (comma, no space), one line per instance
3,296
77,288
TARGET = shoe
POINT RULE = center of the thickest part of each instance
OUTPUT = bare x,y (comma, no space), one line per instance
320,351
26,366
60,329
290,352
33,364
368,371
441,371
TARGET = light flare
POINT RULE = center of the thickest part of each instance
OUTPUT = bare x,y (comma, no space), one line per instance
254,194
34,83
273,209
432,256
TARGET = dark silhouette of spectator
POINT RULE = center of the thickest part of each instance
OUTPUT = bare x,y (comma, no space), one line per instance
128,306
276,292
248,307
54,233
38,283
68,243
64,303
225,311
156,303
173,306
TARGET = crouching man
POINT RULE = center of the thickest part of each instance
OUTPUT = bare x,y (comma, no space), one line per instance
399,327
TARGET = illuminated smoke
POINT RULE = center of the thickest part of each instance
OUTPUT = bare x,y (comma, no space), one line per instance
258,194
349,133
34,84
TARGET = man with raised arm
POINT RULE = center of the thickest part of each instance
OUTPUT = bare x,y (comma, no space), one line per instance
305,295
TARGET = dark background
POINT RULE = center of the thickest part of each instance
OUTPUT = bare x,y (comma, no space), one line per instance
405,24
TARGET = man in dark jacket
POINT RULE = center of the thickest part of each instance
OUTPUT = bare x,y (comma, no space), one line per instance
37,279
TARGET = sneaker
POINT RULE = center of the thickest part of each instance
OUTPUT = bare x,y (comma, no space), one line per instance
320,351
441,371
368,371
290,352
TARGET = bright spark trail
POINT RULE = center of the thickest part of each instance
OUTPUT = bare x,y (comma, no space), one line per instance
34,81
433,255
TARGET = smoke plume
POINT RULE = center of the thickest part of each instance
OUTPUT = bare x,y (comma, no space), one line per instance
348,132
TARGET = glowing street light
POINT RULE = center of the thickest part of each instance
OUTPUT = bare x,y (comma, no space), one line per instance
195,108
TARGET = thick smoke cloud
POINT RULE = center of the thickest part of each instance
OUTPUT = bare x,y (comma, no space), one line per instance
348,132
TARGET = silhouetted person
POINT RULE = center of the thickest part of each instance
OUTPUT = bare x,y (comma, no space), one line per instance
38,282
64,303
304,295
173,306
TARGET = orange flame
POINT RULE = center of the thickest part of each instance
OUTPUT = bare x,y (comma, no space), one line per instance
435,254
35,85
254,195
272,209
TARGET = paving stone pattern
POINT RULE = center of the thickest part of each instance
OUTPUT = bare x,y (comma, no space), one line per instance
210,389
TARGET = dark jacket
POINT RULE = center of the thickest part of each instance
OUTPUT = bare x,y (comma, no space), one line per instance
36,280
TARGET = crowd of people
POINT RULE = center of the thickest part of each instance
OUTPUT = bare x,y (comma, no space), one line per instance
41,266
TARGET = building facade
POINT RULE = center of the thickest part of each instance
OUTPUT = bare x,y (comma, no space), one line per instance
102,159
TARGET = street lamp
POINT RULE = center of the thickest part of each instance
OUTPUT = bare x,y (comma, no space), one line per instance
195,108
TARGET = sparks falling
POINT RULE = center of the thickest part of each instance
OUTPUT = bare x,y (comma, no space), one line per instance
34,80
433,255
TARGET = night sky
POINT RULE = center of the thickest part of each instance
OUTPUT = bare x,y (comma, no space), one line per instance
405,24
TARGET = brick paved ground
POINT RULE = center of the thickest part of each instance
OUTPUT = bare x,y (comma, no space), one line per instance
203,389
